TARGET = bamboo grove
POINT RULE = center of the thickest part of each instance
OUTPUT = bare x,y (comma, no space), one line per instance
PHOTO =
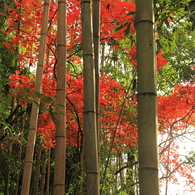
97,97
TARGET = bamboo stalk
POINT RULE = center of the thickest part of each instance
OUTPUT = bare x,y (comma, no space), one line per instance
147,109
60,137
96,39
35,109
90,130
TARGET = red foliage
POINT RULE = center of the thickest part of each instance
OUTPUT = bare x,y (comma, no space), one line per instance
160,60
178,110
113,14
22,86
113,122
176,114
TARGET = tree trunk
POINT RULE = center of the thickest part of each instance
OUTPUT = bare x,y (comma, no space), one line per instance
147,109
35,109
60,137
90,141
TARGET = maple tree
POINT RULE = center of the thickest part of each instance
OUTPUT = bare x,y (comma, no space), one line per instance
111,95
176,120
118,104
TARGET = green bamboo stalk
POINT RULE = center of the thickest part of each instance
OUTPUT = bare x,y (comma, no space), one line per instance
90,140
96,40
147,109
60,137
35,109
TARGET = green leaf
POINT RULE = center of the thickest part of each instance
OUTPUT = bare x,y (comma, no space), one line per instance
130,13
120,27
58,112
126,40
38,94
127,30
37,104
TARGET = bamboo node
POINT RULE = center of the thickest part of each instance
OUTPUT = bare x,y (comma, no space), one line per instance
61,2
148,167
63,136
32,129
59,45
89,111
85,1
87,54
28,161
59,184
143,20
43,33
62,89
147,93
92,172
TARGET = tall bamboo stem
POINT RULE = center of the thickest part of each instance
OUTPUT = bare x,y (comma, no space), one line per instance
60,137
90,140
147,109
96,40
35,109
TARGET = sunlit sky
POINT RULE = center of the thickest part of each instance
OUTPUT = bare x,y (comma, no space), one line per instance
185,146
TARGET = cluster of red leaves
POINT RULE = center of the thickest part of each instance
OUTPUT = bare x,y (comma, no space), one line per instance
176,114
173,165
177,109
22,86
25,21
28,13
115,122
170,161
161,61
113,14
114,117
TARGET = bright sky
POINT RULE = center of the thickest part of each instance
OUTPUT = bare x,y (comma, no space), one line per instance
185,146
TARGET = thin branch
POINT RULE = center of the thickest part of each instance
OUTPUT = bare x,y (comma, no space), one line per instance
127,166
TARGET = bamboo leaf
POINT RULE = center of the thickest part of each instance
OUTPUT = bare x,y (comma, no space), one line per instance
120,27
130,13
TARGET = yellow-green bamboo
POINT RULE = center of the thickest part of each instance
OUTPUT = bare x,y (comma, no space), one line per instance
35,109
60,137
90,130
96,40
147,109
